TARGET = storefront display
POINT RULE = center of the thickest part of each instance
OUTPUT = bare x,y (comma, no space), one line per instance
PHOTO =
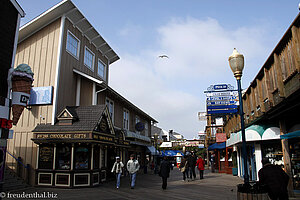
273,151
82,157
63,156
295,161
46,157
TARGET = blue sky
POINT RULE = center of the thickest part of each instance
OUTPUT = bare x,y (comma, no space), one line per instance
197,35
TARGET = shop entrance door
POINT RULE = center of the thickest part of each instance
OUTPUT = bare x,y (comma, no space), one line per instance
111,158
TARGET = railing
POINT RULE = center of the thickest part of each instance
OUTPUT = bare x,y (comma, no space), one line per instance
19,168
18,160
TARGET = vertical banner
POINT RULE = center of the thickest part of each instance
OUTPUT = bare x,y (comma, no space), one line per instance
2,158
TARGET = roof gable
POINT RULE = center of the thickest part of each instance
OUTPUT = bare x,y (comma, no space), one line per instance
104,124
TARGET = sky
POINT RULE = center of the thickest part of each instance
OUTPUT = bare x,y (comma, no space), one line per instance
198,36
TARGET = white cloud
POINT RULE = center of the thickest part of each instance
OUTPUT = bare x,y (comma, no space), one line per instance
171,90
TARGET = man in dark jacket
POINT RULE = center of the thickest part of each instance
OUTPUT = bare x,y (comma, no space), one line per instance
275,179
192,161
164,172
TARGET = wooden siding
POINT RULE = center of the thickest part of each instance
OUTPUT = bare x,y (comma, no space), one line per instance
39,51
278,80
86,93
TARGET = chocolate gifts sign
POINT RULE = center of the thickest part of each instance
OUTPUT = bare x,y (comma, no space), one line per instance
63,136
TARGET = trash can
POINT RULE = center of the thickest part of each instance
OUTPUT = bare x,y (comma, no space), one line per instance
251,191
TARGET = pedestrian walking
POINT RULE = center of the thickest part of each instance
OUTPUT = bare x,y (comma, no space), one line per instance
200,165
184,168
275,179
164,172
192,165
212,162
146,166
133,167
117,169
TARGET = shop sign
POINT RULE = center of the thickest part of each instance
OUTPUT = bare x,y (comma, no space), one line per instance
41,95
221,137
140,126
62,136
5,123
103,138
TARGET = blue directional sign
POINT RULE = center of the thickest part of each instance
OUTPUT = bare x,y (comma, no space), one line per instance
223,107
210,112
220,102
221,99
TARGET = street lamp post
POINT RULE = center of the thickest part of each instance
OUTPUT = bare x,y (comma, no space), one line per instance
236,63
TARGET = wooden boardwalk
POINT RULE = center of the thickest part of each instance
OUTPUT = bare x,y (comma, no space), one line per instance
148,186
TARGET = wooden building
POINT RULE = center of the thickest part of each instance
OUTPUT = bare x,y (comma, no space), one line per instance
271,107
71,63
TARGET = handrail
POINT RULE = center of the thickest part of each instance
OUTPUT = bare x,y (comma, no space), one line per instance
17,159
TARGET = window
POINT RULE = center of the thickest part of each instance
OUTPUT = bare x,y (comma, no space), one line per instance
137,120
46,155
126,119
82,157
63,156
146,129
89,57
110,105
101,69
73,45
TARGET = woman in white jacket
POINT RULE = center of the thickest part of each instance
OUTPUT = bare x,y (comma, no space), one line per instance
117,168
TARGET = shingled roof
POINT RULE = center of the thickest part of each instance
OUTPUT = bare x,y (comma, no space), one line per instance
87,118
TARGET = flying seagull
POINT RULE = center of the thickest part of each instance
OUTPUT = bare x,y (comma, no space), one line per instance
163,56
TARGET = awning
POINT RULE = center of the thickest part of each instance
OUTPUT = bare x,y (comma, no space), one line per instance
255,133
152,150
130,134
271,133
217,146
171,153
290,135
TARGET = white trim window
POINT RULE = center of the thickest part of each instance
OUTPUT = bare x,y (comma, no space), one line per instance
146,129
125,119
73,45
110,105
89,58
101,69
137,120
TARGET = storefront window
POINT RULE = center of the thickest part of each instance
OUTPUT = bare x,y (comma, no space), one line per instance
295,161
82,157
273,151
46,156
63,156
96,158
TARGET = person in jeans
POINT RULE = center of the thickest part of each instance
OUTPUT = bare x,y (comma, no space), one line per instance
184,167
133,167
117,169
